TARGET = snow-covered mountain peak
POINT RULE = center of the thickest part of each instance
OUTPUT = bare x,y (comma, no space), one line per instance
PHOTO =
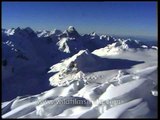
17,29
71,32
28,32
12,31
93,34
9,31
103,36
42,33
130,43
79,57
23,32
46,33
71,29
55,32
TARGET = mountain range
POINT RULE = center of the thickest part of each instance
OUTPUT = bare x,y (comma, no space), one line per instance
66,65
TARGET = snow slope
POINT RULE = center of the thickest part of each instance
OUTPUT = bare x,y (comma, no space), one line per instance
121,96
121,46
90,100
90,76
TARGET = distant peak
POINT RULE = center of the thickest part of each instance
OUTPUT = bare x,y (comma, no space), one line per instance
56,30
70,32
28,29
71,29
17,29
93,34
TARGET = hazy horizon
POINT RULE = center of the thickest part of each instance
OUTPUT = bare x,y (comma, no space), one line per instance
113,18
115,35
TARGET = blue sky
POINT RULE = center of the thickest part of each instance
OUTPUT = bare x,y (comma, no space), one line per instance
119,18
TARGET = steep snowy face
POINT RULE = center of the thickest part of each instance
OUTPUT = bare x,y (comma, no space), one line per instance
63,46
70,45
70,41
